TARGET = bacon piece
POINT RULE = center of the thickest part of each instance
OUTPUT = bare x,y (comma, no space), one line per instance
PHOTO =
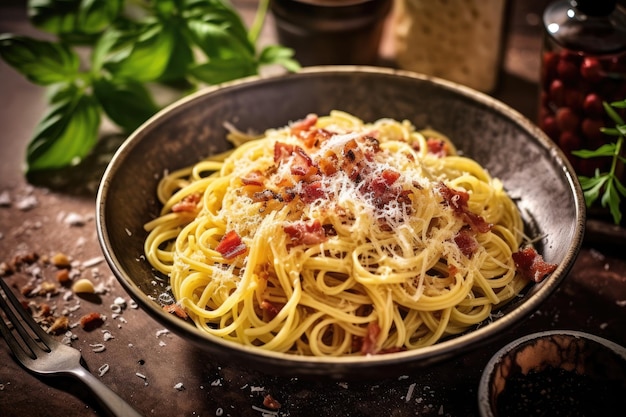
368,347
328,164
303,233
353,162
300,162
271,403
452,270
231,245
404,198
372,145
466,241
458,201
305,130
311,192
282,151
531,265
381,185
265,195
174,308
438,147
305,124
255,177
315,137
187,204
390,176
91,321
271,309
435,146
383,190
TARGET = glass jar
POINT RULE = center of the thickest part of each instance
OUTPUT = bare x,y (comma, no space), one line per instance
584,65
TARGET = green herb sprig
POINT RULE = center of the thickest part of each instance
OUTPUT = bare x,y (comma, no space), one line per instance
107,55
607,185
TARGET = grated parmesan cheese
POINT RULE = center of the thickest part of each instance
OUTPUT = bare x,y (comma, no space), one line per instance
409,393
97,347
103,369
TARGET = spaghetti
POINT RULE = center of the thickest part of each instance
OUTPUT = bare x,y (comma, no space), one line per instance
332,236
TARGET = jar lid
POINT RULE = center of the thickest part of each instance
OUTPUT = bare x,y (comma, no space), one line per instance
596,8
304,11
595,27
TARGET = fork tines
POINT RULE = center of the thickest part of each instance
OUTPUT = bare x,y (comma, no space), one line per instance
23,323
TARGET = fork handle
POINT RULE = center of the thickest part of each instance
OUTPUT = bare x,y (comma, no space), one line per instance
112,402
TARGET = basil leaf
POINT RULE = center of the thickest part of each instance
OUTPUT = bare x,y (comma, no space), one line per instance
165,8
103,48
180,59
67,132
141,53
54,16
275,54
217,29
74,20
218,13
221,70
127,103
41,62
215,40
94,16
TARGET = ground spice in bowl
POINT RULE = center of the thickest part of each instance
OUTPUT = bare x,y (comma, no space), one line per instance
555,373
560,392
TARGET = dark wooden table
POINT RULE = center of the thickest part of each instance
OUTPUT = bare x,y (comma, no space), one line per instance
162,375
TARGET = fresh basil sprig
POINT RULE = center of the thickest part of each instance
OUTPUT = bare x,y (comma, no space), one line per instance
107,54
607,185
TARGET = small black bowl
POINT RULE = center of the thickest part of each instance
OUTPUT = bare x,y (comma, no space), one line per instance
555,373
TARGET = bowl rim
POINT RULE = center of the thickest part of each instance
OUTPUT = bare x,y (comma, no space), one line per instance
484,384
442,349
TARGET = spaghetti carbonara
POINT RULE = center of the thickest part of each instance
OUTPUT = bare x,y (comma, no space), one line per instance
332,236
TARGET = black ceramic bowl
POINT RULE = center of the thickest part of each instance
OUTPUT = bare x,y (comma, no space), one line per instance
532,168
555,373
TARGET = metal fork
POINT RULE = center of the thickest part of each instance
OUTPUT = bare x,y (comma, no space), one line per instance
42,354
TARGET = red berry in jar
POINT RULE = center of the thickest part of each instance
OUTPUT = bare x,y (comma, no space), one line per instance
588,167
550,61
557,92
591,129
617,67
567,120
592,105
573,98
591,70
569,141
567,70
548,125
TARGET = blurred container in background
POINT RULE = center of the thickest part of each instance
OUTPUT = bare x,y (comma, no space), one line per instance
583,64
458,40
331,32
